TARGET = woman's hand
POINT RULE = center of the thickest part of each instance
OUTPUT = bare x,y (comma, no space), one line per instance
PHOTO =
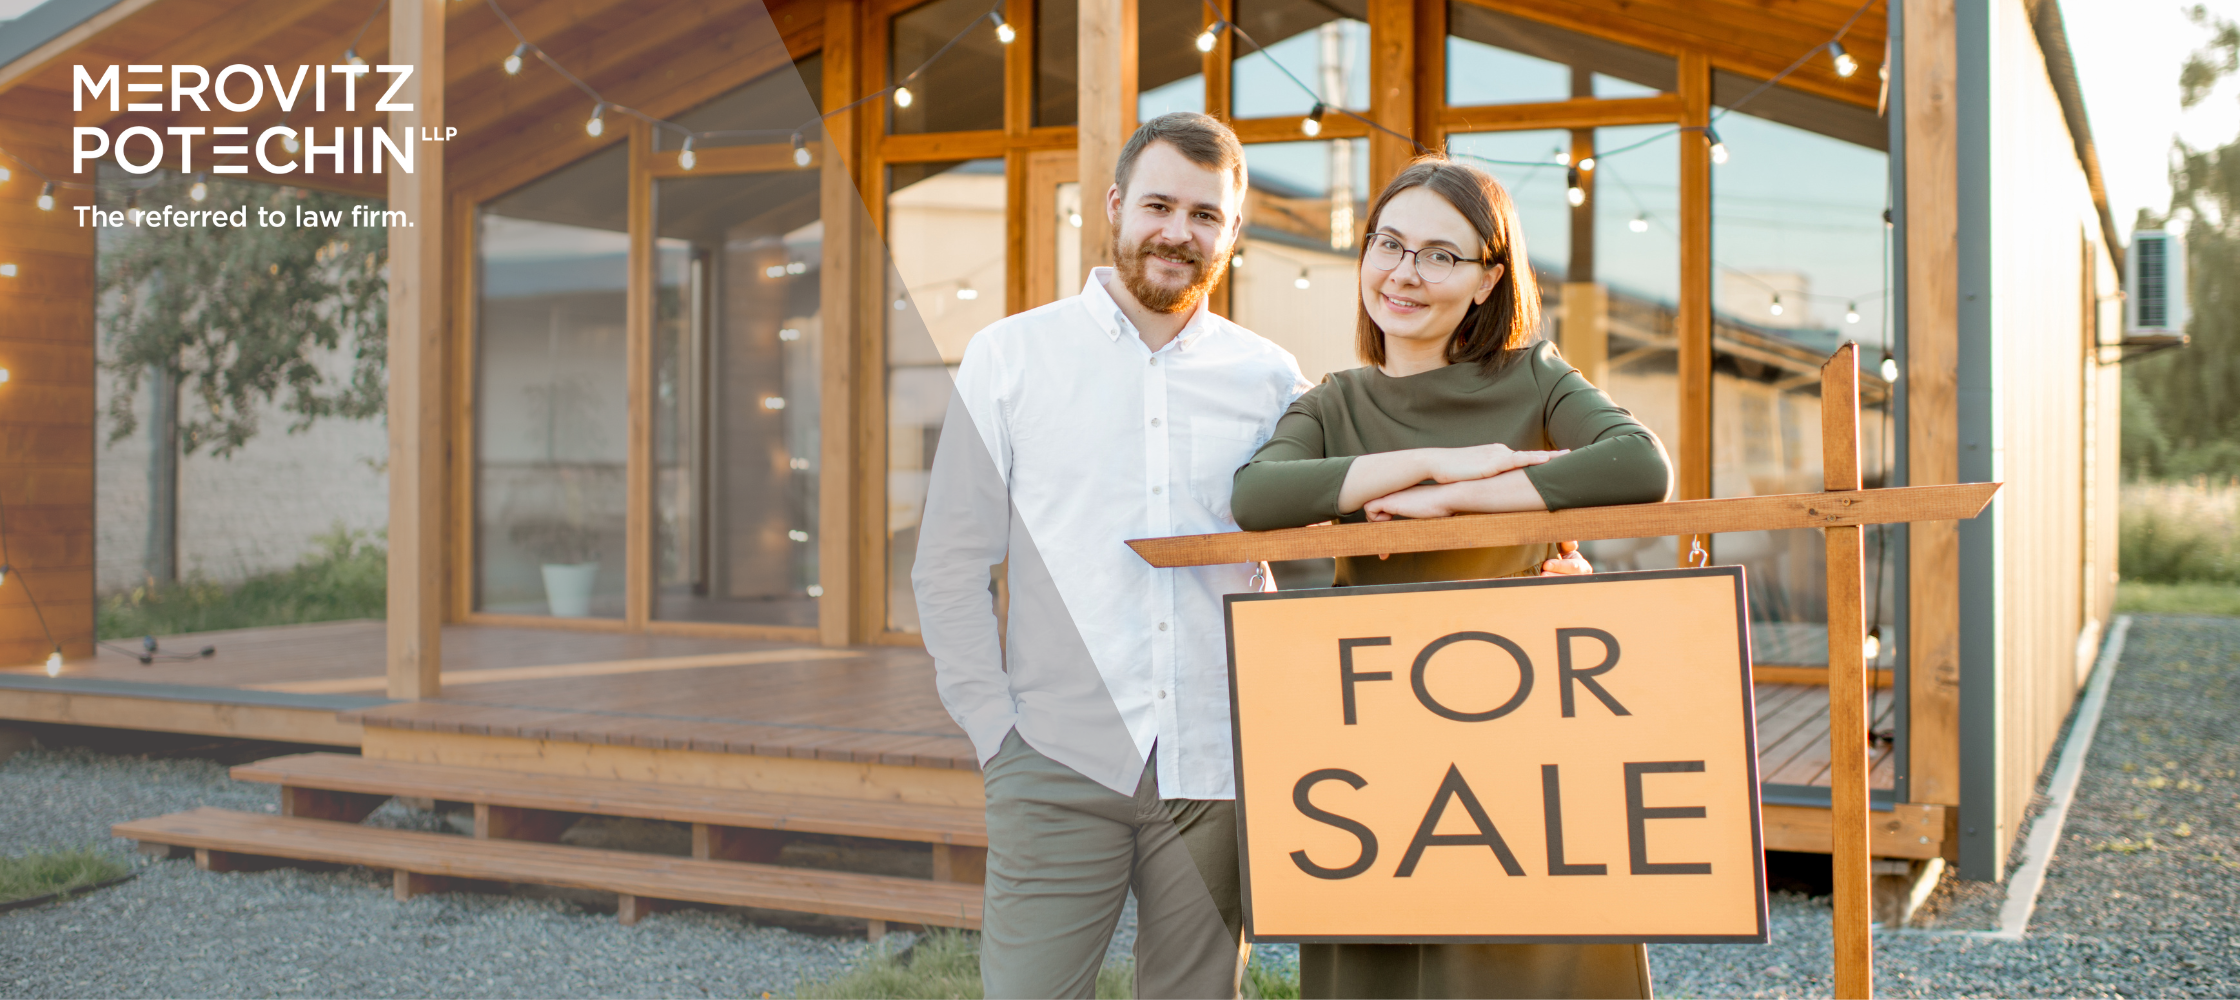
1485,461
1414,502
1569,563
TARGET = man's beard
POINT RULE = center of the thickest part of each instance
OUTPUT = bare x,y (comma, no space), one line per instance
1162,298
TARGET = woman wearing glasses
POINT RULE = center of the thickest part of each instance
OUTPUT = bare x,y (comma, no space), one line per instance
1461,409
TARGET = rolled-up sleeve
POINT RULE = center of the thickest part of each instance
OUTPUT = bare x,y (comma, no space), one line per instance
1290,481
1613,459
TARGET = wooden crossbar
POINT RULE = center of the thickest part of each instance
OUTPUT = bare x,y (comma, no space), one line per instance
1648,520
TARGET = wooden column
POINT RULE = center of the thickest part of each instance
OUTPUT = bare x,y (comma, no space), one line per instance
1847,683
1931,234
1392,90
640,550
1694,453
416,369
845,230
1107,94
1430,65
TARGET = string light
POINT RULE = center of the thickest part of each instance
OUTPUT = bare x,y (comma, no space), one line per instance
1563,157
1845,65
1302,284
1776,308
1004,32
1718,149
598,122
1235,259
6,271
54,662
1871,649
1312,126
290,142
1640,223
1851,313
1587,164
1210,37
46,197
200,192
352,57
685,157
1573,192
800,151
903,97
1074,218
5,174
513,62
1889,368
967,292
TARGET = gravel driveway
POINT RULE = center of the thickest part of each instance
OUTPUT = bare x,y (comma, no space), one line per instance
2143,898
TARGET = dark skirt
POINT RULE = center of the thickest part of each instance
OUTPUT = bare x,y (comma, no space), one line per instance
1391,971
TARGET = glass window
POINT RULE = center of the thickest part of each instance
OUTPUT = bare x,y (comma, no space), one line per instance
1609,272
1170,71
1293,281
1057,62
551,415
961,91
736,335
1800,267
946,232
1323,44
765,110
1497,58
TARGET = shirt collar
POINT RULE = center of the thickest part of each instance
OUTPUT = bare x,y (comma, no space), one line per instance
1106,311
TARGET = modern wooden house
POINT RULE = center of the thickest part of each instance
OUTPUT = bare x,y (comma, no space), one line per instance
660,415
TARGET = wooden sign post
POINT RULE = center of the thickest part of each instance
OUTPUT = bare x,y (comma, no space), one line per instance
1841,510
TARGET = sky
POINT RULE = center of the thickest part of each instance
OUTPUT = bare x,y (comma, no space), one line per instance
2127,55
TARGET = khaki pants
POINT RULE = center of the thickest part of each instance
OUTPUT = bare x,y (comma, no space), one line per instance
1063,854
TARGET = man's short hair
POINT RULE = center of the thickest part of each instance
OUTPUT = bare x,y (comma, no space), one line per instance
1202,139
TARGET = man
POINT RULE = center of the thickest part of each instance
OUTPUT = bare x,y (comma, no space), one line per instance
1101,711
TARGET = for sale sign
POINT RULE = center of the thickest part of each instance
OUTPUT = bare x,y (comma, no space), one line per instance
1561,759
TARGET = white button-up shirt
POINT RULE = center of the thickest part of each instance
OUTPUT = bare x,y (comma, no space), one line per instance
1087,438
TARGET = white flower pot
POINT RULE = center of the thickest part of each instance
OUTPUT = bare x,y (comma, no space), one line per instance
567,588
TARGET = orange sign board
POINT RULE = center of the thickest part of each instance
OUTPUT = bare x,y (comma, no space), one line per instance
1561,759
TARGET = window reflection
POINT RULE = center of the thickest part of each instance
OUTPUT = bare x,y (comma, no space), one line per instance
765,110
550,414
1496,58
1323,44
1170,71
945,230
963,90
736,398
1057,62
1295,282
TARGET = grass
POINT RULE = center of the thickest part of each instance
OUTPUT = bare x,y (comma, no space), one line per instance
346,578
945,965
2180,532
2196,598
55,871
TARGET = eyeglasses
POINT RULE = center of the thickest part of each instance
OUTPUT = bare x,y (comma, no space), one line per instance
1433,264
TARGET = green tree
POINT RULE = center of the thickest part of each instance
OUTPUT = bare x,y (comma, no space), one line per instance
2181,415
240,317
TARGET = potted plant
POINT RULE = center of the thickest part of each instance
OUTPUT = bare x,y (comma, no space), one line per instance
567,545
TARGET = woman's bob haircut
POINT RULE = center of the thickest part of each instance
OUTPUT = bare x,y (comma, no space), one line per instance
1493,332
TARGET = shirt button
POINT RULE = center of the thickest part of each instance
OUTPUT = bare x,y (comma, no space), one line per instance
1155,491
1154,361
1162,695
1162,626
1154,421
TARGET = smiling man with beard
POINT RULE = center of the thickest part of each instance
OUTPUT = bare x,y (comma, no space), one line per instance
1100,707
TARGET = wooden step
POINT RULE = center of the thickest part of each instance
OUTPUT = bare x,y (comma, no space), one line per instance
359,776
222,838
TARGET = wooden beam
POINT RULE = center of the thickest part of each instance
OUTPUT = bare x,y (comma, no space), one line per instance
642,549
1847,684
37,59
1430,66
1694,322
241,29
1648,520
759,159
416,369
1932,304
1107,91
1910,830
845,231
1577,113
1289,129
1392,90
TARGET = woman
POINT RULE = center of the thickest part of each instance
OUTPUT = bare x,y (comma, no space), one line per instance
1458,411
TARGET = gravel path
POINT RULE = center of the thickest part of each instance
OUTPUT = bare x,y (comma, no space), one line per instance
2143,898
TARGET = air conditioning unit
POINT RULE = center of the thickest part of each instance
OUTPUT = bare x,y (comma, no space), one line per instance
2155,283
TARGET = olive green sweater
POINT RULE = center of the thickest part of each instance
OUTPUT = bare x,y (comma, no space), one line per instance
1538,402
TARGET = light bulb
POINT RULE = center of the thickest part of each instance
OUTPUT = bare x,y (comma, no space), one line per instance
289,142
54,663
5,174
46,197
1845,65
1004,32
1208,38
3,380
1640,224
1718,149
800,151
903,97
1871,649
968,293
1236,259
352,57
1889,369
598,122
513,62
1851,313
1563,157
1075,219
1576,195
1302,284
1586,163
1312,126
6,271
685,157
200,191
3,575
1776,307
